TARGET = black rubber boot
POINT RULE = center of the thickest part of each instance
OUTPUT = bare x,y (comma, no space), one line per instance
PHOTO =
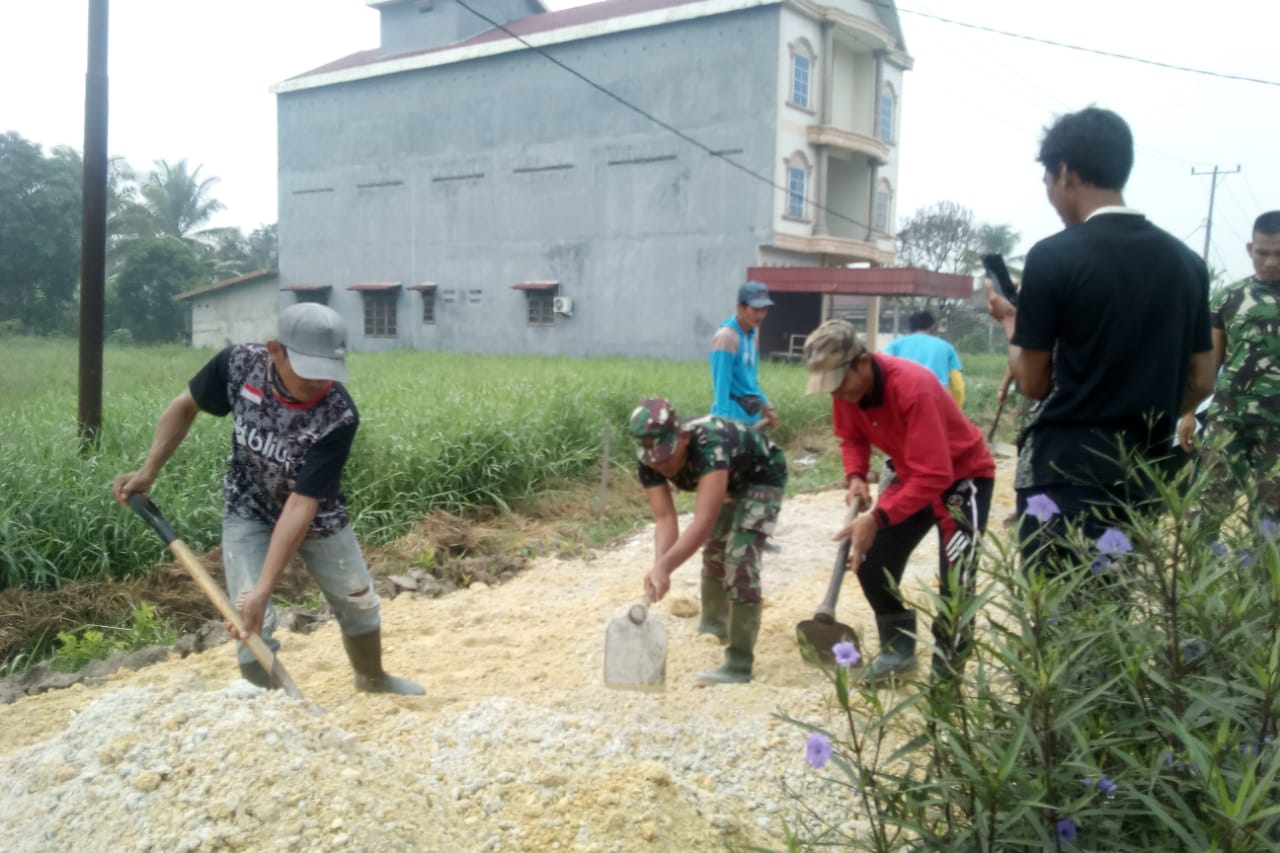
715,609
365,652
254,673
744,627
897,646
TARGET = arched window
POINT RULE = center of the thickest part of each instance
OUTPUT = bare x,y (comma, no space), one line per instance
880,220
798,171
888,110
801,73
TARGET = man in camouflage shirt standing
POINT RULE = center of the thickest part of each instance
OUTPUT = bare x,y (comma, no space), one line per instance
738,477
1243,430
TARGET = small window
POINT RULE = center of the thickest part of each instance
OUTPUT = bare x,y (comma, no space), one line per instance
800,80
795,192
880,216
801,73
541,305
887,109
475,296
429,305
448,296
380,313
318,296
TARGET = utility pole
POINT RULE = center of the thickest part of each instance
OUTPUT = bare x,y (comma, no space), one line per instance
93,228
1213,188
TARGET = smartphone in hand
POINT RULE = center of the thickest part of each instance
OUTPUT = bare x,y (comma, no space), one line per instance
995,267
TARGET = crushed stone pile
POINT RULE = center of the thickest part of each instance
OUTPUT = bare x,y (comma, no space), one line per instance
245,769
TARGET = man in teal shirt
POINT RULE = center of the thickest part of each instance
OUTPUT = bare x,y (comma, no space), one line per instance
735,361
924,347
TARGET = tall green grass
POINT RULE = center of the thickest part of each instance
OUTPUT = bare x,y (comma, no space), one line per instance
439,430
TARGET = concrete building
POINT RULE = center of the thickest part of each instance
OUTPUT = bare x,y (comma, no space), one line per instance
458,189
236,311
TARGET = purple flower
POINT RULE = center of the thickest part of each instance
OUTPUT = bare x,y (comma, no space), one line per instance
1267,528
817,749
1106,786
1042,508
1067,830
1114,542
1100,564
1218,549
1246,558
846,653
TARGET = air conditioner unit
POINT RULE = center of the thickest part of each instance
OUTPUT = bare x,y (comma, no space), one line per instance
562,305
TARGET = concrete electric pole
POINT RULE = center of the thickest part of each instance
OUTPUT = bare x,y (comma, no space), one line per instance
1213,188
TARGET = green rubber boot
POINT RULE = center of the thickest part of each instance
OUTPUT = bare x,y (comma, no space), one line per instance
715,609
897,646
365,652
744,627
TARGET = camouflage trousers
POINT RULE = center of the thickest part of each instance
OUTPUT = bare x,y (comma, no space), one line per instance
732,556
1237,457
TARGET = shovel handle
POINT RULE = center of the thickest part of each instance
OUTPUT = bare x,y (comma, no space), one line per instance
150,513
826,611
991,434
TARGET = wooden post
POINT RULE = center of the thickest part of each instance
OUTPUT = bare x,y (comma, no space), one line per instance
604,471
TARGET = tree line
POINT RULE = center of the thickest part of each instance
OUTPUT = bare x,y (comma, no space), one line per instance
158,243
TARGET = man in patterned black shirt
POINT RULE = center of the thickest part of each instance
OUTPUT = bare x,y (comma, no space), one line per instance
738,476
293,428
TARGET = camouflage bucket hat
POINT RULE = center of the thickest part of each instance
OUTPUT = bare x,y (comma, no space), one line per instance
828,351
656,429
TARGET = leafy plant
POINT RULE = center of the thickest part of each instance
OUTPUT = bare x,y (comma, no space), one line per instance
1130,703
77,648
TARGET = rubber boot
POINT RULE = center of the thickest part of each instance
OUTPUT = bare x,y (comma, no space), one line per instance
897,646
365,652
255,673
744,627
715,609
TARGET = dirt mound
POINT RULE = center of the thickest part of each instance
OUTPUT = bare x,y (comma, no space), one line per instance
517,746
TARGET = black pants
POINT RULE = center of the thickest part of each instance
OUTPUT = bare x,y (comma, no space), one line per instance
960,514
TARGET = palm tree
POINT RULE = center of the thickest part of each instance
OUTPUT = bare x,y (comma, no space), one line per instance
995,240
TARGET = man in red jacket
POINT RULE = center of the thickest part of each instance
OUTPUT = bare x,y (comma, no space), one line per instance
944,478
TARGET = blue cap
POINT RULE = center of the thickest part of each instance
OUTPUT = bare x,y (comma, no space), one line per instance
754,294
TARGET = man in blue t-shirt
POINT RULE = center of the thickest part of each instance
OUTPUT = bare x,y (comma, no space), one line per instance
924,347
735,361
293,425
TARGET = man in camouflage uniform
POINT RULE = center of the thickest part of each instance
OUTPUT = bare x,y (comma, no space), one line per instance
738,476
1243,429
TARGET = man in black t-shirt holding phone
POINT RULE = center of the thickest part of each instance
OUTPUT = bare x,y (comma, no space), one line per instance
1111,332
293,425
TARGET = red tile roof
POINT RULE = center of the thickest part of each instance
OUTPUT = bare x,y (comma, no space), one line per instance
530,25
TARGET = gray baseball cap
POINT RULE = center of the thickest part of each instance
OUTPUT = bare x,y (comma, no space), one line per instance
315,337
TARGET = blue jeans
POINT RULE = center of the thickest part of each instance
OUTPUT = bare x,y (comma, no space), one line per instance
334,563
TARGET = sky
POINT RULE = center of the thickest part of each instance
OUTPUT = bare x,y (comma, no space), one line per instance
190,80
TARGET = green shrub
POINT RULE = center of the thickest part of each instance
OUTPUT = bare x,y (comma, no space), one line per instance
1140,719
90,643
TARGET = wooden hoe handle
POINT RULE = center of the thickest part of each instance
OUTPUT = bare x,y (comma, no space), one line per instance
151,514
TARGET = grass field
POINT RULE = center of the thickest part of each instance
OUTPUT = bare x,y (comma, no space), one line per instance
438,430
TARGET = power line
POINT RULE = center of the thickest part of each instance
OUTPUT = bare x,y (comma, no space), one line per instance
666,126
1081,48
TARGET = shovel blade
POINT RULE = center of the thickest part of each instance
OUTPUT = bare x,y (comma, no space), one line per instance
635,654
816,637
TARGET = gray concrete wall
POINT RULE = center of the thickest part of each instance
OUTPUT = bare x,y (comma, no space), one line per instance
487,173
245,313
